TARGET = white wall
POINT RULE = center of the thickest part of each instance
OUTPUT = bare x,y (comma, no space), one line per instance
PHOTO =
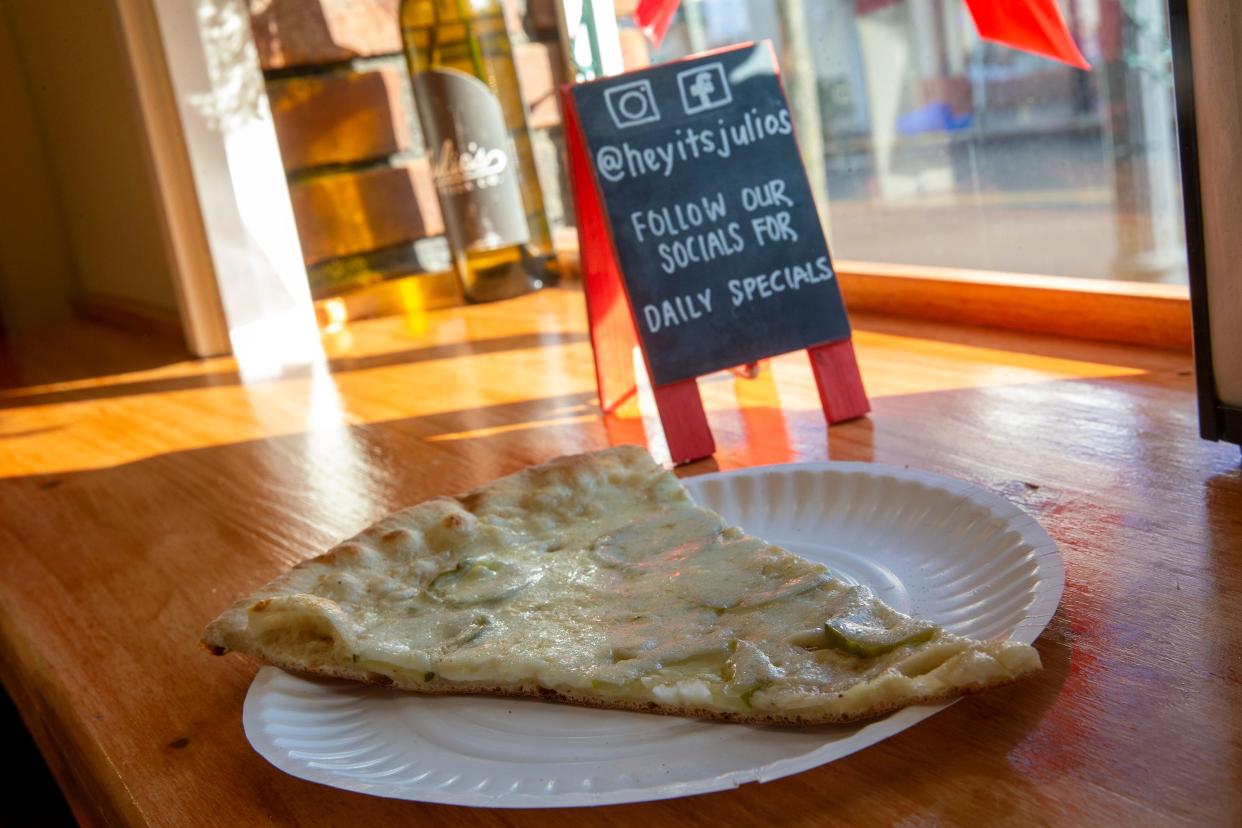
36,274
80,158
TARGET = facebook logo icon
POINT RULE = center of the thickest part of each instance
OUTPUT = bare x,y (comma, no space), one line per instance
703,87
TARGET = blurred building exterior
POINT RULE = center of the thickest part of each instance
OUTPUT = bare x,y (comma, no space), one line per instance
937,148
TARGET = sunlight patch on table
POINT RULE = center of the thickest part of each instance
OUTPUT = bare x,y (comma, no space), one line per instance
490,431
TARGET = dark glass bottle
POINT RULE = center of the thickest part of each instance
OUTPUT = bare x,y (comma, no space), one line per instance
465,86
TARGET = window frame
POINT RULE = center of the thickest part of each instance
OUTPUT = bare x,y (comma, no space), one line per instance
1138,313
1205,65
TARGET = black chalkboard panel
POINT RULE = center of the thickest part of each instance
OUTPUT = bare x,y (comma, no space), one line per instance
710,212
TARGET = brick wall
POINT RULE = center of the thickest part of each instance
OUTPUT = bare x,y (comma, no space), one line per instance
340,97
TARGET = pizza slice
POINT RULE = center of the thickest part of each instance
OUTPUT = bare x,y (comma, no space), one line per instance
596,580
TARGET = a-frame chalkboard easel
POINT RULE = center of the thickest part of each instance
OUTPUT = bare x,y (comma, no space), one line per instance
613,328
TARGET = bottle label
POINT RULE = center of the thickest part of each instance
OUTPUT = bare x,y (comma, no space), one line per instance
472,161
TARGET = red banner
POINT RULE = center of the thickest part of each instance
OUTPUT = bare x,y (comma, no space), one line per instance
653,17
1030,25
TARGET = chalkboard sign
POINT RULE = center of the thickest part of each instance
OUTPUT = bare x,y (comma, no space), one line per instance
698,237
710,212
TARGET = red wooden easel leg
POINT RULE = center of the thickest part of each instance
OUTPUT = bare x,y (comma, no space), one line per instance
612,327
685,421
840,384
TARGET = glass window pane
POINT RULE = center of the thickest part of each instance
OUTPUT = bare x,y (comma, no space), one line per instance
934,147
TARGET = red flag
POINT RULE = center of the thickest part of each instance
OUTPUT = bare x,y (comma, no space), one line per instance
1030,25
653,17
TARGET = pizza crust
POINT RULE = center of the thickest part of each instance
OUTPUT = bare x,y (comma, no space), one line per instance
534,691
454,586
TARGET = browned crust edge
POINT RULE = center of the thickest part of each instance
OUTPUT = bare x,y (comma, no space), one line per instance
613,459
439,687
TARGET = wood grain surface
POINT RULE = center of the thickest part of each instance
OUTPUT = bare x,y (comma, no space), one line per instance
141,493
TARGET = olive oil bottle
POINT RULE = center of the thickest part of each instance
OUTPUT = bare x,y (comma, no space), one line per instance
465,86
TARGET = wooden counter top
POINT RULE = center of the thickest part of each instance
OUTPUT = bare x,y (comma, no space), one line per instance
141,493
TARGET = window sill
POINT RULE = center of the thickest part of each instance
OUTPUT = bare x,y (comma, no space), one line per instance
1155,315
1131,312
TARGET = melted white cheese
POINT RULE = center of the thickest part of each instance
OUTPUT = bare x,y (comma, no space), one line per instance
615,587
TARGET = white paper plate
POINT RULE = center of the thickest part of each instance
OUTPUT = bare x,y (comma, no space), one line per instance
930,546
